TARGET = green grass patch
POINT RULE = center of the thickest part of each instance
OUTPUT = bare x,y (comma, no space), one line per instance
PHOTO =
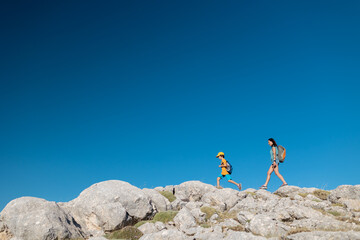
304,195
316,200
205,225
334,213
338,205
209,211
168,195
143,222
322,194
227,215
251,193
165,216
129,232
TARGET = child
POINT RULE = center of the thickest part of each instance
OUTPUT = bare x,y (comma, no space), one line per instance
225,173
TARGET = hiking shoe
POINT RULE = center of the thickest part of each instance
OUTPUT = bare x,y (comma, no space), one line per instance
239,186
263,187
285,184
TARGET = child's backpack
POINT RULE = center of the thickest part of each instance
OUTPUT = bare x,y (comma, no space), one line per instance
281,153
229,167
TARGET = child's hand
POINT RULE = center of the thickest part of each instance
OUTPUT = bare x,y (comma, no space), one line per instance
220,166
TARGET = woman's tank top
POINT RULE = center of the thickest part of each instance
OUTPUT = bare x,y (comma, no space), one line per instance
272,154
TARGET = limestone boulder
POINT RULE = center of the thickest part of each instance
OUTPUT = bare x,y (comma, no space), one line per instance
34,218
267,226
192,190
348,195
227,196
161,203
185,221
110,205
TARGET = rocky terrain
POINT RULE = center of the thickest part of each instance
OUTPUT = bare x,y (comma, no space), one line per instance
191,210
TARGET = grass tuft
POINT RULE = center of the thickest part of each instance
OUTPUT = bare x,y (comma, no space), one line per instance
165,216
143,222
205,225
338,205
129,232
298,230
238,228
334,213
322,194
209,211
304,195
168,195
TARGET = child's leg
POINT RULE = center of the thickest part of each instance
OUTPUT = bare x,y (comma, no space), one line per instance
231,181
218,182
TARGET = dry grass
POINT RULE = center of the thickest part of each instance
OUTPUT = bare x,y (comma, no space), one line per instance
227,215
322,194
238,228
251,193
338,205
316,200
205,225
143,222
334,213
349,220
209,211
298,230
168,195
304,195
129,232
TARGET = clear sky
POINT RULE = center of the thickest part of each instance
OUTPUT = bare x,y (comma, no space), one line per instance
149,92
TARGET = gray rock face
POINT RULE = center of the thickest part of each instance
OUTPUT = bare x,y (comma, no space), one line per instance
227,196
192,190
185,221
232,235
347,195
325,236
110,205
266,226
171,234
288,191
161,203
34,218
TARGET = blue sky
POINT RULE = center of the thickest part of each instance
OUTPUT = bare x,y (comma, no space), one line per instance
149,91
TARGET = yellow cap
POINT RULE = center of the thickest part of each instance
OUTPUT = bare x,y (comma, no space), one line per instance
220,154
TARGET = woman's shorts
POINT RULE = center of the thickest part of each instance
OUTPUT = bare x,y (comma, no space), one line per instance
228,176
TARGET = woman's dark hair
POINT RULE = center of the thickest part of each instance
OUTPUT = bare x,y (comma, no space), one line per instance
273,141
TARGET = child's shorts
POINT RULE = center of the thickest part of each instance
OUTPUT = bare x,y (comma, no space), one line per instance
228,176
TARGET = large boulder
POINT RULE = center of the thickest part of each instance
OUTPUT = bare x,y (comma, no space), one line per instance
192,190
348,195
110,205
161,203
267,226
227,196
32,218
185,221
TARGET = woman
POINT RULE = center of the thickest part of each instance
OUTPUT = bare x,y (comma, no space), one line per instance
275,164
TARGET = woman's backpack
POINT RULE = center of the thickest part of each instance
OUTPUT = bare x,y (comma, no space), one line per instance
281,153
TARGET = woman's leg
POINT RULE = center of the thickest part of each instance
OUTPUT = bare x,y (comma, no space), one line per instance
278,174
271,169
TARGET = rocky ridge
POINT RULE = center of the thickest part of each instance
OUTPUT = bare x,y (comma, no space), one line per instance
190,211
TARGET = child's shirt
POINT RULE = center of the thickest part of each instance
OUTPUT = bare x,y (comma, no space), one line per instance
223,169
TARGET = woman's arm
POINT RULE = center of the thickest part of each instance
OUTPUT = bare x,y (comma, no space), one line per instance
274,153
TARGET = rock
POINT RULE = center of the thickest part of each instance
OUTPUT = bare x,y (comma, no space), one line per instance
233,235
266,226
348,195
192,190
229,223
321,235
177,204
148,228
110,205
209,236
185,221
227,197
265,195
171,234
198,215
244,217
35,218
247,203
161,203
97,238
288,191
